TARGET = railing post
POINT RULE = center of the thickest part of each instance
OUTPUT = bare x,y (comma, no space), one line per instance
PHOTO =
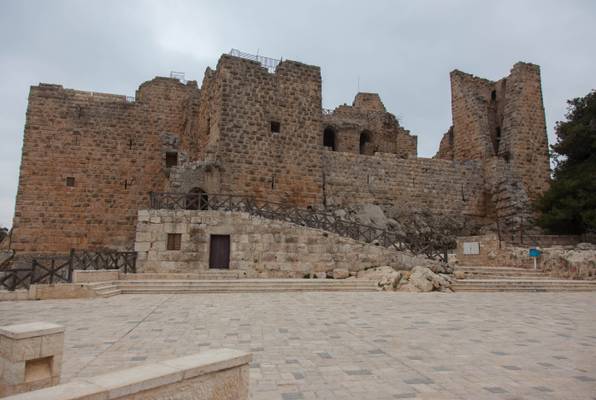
70,264
33,267
52,266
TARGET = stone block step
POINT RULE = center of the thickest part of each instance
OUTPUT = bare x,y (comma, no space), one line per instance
531,289
204,275
504,275
230,286
501,271
511,285
110,293
239,290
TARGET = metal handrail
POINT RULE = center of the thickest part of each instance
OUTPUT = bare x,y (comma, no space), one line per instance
299,216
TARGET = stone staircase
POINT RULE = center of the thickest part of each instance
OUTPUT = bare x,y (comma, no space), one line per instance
172,286
508,279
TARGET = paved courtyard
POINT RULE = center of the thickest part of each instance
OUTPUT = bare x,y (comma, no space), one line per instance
346,345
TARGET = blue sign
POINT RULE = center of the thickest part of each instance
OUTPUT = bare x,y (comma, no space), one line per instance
534,252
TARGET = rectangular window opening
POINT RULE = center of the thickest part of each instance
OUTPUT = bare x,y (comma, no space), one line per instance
275,127
70,181
171,159
174,241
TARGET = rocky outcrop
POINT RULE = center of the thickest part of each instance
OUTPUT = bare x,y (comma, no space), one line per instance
575,262
419,279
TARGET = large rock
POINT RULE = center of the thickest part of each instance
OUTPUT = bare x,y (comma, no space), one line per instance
585,246
375,273
419,279
371,214
424,280
392,280
340,273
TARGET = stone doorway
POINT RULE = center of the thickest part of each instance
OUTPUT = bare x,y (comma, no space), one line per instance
219,252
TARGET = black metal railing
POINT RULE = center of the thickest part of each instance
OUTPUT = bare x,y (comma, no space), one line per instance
59,268
267,62
299,216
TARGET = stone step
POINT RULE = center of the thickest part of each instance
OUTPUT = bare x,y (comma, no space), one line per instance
501,271
204,275
240,290
501,285
110,293
250,281
105,289
496,274
529,289
125,287
522,281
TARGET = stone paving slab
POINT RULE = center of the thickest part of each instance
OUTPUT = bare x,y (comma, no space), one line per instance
345,345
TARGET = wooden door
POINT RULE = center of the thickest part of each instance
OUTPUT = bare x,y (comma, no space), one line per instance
219,251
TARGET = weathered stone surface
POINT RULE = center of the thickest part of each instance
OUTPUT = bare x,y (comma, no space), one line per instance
215,374
340,273
30,356
577,261
254,133
260,247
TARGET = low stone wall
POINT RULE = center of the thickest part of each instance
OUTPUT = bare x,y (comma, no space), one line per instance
571,261
259,246
48,292
490,252
90,276
216,375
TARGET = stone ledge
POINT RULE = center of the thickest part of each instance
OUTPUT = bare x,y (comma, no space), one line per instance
132,381
29,330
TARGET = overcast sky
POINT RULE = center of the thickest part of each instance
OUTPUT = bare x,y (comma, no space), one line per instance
402,49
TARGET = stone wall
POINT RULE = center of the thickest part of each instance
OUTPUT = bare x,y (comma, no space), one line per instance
562,256
368,120
502,119
215,374
284,165
89,159
261,247
443,187
111,151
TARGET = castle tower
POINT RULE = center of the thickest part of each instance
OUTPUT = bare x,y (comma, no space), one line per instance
503,119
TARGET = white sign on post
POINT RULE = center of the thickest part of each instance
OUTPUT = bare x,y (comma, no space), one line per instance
471,248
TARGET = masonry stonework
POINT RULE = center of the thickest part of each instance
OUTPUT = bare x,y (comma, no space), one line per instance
90,160
259,247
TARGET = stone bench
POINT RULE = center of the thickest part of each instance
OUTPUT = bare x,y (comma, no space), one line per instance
215,375
30,356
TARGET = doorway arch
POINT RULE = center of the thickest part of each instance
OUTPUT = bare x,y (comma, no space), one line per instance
365,137
329,137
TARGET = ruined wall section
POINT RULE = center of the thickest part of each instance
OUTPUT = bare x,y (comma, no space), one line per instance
470,102
524,142
368,115
111,150
438,186
446,146
280,166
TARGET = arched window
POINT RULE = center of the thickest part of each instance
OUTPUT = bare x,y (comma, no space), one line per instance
329,138
493,95
197,199
364,141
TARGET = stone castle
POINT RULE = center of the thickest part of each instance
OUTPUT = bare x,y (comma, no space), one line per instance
90,160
